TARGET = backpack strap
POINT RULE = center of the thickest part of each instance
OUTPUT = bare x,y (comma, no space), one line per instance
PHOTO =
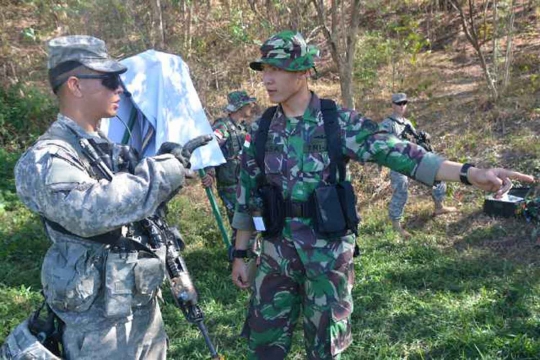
333,140
262,135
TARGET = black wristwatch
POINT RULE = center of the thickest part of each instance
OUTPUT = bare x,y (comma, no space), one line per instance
237,253
463,173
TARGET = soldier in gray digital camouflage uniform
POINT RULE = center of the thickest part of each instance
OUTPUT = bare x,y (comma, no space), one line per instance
301,271
105,293
396,124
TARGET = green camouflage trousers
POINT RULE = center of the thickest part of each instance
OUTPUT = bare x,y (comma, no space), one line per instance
316,281
227,194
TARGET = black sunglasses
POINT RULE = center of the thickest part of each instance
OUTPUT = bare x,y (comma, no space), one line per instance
401,103
110,81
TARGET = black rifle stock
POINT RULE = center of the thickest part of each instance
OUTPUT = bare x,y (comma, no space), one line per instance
421,138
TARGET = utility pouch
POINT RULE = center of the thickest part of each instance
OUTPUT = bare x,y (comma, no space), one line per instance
347,199
149,275
119,282
329,220
273,210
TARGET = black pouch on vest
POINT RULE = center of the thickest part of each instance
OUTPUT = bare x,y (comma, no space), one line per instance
328,219
273,211
347,198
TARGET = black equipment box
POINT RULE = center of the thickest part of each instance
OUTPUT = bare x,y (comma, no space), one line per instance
507,205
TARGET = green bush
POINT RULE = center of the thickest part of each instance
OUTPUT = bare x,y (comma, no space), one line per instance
25,113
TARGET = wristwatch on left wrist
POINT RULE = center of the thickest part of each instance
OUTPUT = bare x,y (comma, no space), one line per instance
463,173
235,253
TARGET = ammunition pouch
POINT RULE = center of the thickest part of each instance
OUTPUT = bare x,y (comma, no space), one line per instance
273,209
334,207
132,278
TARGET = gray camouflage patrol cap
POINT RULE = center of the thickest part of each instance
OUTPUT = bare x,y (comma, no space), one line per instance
399,97
87,50
286,50
238,99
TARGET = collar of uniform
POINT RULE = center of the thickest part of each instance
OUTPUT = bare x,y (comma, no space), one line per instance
397,119
231,120
68,122
313,110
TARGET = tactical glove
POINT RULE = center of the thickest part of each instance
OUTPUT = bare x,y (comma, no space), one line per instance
183,153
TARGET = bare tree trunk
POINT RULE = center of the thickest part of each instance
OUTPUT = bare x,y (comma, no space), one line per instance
469,29
342,40
157,24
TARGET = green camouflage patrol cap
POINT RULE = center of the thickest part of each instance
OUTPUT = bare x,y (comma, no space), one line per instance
286,50
86,50
238,99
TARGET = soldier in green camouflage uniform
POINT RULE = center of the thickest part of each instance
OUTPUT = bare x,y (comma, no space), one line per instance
300,271
230,133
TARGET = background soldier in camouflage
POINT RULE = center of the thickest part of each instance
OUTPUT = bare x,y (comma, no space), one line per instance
396,124
106,297
300,271
230,133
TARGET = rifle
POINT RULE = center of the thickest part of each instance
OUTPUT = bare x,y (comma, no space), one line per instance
161,234
184,293
420,138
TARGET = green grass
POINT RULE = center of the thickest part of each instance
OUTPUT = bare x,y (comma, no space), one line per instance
437,296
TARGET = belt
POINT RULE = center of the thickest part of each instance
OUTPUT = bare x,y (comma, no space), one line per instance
297,209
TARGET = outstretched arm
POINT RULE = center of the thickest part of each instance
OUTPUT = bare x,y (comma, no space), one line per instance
495,180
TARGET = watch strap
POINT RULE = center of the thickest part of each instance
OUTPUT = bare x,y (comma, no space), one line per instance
463,173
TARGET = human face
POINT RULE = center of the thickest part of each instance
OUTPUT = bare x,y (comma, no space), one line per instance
101,93
399,108
249,112
282,86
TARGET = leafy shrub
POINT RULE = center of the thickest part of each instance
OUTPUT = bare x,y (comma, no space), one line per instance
25,113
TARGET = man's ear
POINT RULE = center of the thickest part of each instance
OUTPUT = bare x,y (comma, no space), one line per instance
72,85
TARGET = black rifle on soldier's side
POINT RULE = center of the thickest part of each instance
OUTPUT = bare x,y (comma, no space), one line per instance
420,138
184,293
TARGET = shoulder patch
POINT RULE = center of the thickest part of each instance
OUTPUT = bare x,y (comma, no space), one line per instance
62,171
247,141
218,134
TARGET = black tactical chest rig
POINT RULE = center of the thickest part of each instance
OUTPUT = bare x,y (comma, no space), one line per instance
332,206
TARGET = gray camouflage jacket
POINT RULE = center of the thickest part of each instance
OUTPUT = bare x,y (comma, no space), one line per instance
55,179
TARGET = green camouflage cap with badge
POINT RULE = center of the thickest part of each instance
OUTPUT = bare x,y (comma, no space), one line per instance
288,51
238,99
69,52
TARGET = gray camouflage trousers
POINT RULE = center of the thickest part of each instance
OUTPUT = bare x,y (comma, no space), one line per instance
400,187
141,337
